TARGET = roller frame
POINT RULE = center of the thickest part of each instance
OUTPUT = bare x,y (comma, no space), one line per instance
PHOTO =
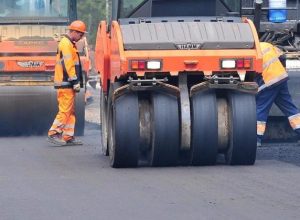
185,113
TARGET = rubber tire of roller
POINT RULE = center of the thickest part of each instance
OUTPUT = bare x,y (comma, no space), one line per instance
242,113
165,130
124,131
204,144
103,115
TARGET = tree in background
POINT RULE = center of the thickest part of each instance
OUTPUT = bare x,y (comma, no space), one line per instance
91,12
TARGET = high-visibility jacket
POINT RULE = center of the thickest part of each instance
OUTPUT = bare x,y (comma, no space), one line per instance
68,66
273,70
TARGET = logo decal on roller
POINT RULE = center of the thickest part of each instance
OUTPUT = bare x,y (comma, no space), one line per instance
30,64
189,46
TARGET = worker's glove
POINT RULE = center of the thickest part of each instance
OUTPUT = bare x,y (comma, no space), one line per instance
76,87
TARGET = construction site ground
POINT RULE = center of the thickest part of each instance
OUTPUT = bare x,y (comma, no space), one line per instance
40,181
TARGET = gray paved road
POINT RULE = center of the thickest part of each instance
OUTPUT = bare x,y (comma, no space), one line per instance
38,181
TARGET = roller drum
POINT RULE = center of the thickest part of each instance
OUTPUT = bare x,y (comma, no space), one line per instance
30,110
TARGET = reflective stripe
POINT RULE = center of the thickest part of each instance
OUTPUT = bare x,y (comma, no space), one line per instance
57,122
54,130
72,78
62,84
69,126
68,56
261,127
273,81
267,64
59,62
279,51
295,121
57,126
266,50
69,133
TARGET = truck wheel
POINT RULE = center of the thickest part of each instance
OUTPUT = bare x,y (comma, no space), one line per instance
204,143
123,132
103,115
165,130
242,118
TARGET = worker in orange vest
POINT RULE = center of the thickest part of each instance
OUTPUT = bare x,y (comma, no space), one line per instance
67,81
273,88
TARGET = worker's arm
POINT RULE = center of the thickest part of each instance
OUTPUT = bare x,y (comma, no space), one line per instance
68,62
282,59
281,56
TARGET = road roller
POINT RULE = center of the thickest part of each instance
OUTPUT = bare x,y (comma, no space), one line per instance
177,84
30,32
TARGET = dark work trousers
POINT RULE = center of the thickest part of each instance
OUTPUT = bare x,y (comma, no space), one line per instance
278,94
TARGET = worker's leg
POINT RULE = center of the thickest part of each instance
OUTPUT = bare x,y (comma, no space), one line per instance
286,105
65,105
69,127
68,130
264,101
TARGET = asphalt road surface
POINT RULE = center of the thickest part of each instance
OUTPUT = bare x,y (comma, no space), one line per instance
39,181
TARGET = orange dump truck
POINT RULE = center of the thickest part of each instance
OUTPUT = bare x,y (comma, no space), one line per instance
176,86
29,34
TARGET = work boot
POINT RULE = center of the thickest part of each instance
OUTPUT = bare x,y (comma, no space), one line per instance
73,141
56,139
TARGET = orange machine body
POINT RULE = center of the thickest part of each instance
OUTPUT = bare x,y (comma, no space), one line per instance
113,62
29,57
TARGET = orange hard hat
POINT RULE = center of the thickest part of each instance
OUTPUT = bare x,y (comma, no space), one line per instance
78,26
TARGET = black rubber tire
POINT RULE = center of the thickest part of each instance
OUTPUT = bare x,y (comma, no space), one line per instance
80,113
123,131
103,115
204,143
242,119
165,130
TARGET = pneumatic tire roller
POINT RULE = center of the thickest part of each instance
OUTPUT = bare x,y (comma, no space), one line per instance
179,91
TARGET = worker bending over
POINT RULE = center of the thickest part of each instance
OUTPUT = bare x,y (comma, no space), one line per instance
273,88
67,79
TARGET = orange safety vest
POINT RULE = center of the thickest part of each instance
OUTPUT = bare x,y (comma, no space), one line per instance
273,70
68,67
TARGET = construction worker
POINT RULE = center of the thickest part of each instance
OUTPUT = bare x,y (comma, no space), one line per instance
67,79
273,88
